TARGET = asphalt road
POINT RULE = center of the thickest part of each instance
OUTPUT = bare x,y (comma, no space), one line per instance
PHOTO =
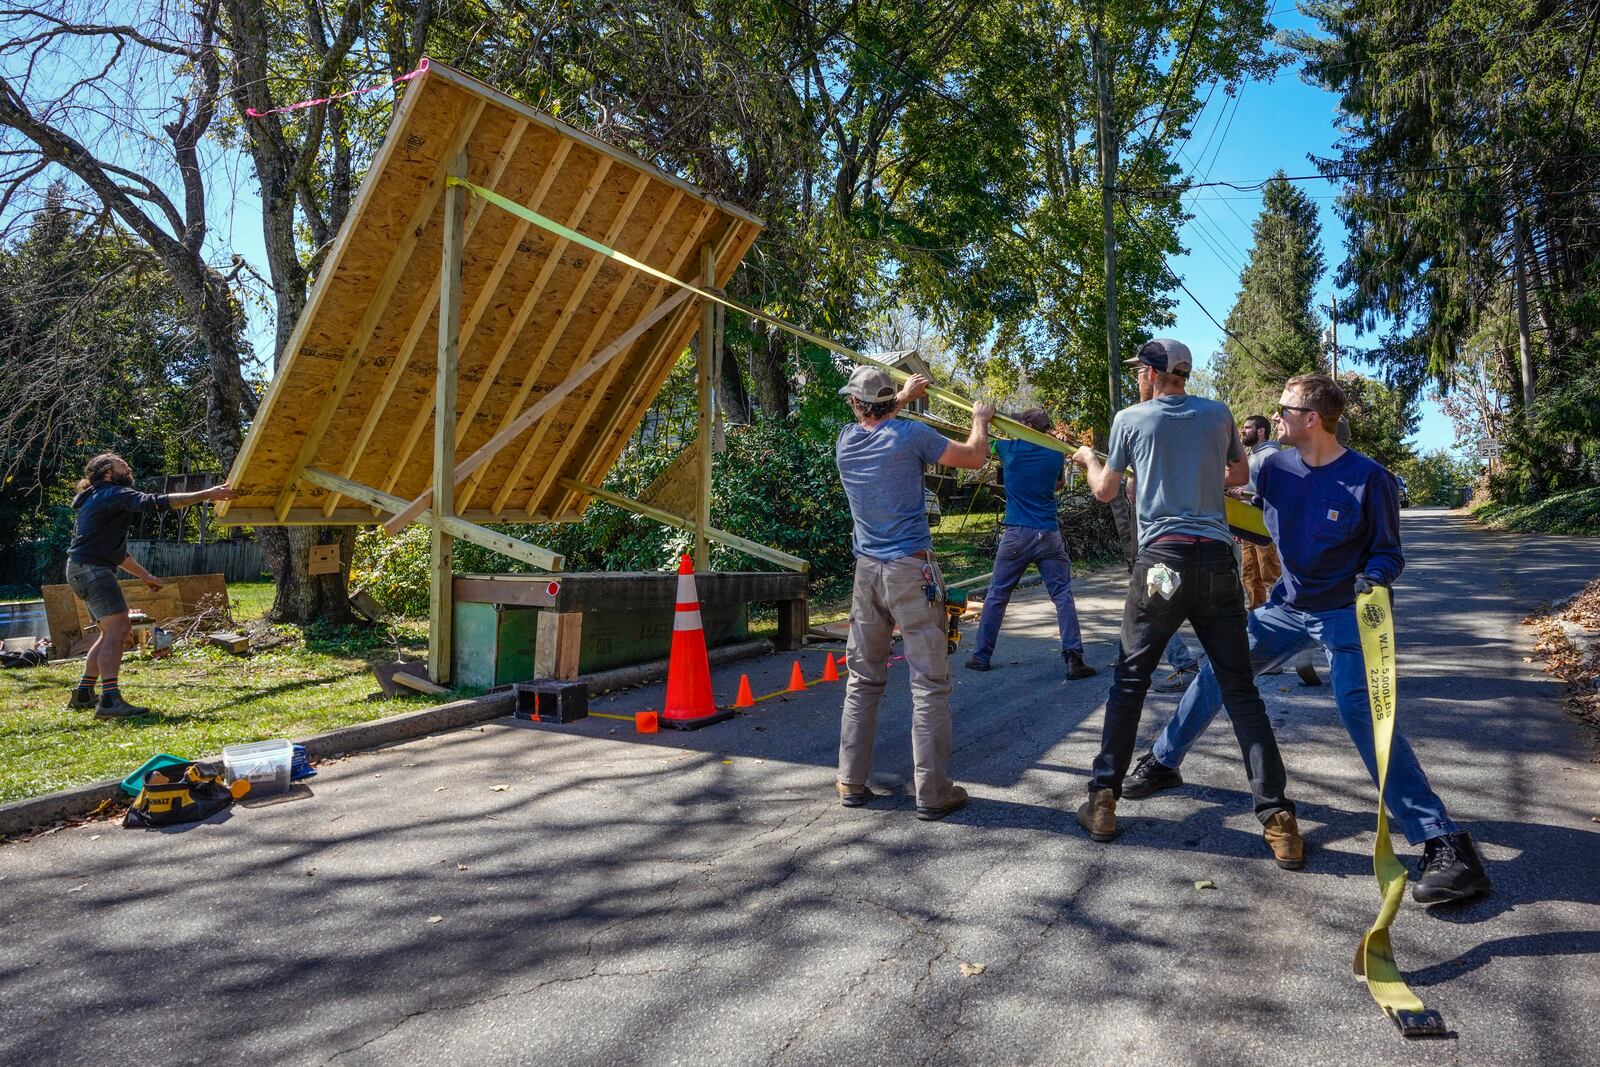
703,899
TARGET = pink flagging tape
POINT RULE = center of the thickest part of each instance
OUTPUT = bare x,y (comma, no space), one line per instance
319,101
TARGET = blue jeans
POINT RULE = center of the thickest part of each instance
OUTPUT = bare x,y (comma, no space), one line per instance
1278,634
1020,546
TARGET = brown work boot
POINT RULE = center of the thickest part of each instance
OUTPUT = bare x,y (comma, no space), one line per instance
854,796
1098,814
1283,837
117,708
957,801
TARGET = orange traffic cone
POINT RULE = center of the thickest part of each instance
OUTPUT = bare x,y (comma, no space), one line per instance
830,673
797,679
745,699
689,701
843,664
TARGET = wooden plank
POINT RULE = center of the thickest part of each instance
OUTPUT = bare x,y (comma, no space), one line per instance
489,449
430,303
647,358
525,590
748,547
420,685
377,307
794,619
705,397
529,302
557,643
580,293
441,606
461,527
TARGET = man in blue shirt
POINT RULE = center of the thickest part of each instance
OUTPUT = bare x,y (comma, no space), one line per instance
1183,450
1031,534
897,582
1334,515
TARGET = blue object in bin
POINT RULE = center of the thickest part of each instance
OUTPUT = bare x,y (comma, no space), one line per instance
135,781
301,765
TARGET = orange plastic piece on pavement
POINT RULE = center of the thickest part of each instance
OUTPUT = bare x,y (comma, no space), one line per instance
745,699
646,722
797,679
843,665
830,673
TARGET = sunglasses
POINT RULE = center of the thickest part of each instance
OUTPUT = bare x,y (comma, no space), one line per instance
1290,407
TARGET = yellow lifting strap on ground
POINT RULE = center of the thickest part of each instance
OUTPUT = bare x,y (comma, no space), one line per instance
1246,520
1375,958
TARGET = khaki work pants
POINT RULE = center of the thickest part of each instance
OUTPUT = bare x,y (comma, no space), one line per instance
886,594
1260,566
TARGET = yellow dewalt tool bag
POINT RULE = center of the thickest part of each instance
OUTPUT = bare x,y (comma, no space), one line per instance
180,792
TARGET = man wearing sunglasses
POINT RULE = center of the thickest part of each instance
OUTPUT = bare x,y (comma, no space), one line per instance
1183,451
1334,515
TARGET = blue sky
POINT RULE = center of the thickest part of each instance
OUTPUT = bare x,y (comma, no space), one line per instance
1271,125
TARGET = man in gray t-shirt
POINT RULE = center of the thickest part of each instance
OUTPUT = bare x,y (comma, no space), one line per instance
897,582
1184,452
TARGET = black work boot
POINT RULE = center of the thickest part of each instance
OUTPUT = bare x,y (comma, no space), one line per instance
117,708
1149,776
1451,870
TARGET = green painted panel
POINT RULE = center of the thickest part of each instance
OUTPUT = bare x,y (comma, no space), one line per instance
623,637
472,659
519,632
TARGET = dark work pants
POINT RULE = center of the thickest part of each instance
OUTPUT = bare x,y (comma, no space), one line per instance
1211,598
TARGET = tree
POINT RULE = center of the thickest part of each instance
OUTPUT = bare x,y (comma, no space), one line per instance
1470,128
201,60
1274,331
1381,417
1436,478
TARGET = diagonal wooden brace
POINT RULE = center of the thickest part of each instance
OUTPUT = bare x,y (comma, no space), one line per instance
504,544
409,512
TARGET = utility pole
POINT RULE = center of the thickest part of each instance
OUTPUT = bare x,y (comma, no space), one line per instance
1107,143
1333,356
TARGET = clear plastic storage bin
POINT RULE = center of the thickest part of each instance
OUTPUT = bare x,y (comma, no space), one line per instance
264,764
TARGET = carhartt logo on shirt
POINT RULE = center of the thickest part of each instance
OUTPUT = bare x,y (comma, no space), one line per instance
1333,515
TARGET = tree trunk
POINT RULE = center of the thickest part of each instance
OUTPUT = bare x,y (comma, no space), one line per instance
731,391
300,596
767,367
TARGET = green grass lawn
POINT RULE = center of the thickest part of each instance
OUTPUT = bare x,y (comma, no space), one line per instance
1574,512
205,698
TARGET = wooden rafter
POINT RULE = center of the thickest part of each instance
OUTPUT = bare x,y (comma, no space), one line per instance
667,518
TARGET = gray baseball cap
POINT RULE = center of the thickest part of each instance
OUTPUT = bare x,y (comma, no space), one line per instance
869,385
1165,355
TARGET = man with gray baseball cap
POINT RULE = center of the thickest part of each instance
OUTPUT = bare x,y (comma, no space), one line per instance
881,461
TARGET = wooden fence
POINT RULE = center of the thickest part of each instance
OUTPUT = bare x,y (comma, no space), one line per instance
240,561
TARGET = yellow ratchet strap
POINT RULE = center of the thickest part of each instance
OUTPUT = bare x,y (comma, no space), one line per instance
1375,958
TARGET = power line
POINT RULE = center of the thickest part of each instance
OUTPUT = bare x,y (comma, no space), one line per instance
1255,185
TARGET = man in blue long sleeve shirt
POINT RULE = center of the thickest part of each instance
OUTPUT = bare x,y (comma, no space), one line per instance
1334,515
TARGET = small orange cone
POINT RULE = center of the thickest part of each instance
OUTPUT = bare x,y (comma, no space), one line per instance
797,679
646,722
745,699
830,673
689,701
843,665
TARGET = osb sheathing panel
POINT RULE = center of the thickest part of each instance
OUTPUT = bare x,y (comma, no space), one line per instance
355,394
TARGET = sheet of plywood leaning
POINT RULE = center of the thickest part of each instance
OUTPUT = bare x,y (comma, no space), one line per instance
354,395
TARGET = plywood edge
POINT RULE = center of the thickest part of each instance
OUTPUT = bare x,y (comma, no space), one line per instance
621,155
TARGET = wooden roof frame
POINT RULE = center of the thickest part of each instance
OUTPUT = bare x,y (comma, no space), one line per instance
547,354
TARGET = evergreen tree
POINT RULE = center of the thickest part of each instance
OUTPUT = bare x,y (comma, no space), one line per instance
1276,333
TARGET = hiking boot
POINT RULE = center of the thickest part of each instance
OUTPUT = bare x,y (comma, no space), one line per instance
1178,680
1282,834
1098,814
1149,776
854,796
82,699
117,708
976,664
1076,668
958,800
1451,870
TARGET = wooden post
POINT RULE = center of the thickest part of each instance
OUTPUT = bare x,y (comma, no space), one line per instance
441,599
705,368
